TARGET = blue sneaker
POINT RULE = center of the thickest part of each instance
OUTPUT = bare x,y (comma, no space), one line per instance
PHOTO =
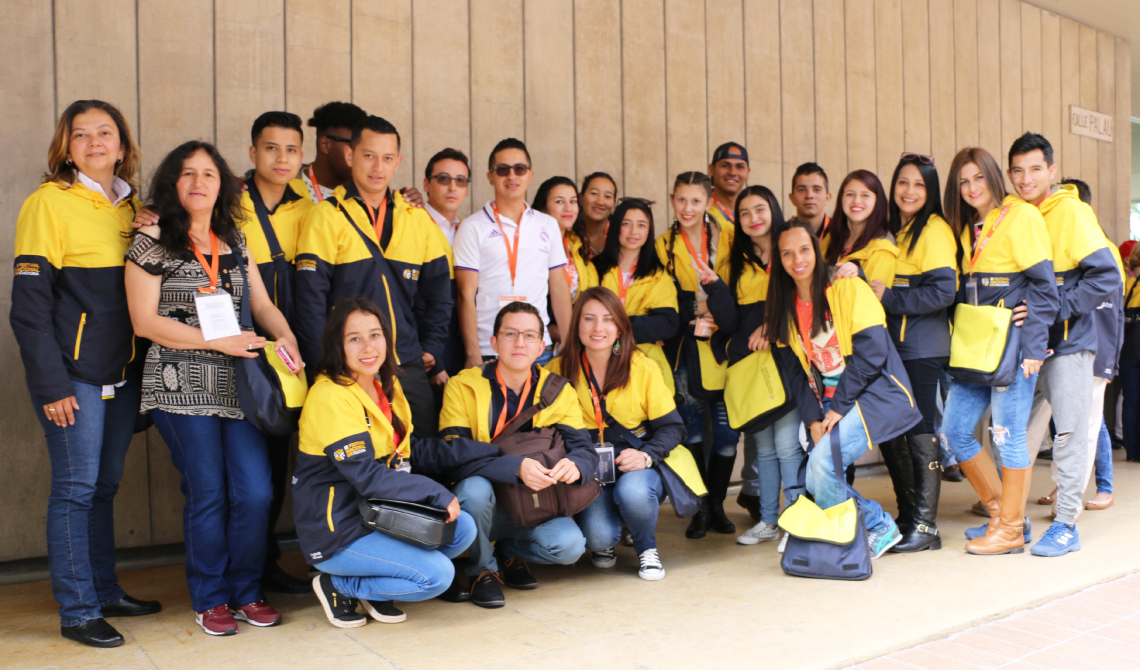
1058,540
881,542
978,531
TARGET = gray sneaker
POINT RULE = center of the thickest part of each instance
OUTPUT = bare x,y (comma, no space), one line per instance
783,543
761,532
606,558
881,542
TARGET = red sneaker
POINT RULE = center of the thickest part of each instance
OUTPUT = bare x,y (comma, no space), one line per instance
257,613
217,621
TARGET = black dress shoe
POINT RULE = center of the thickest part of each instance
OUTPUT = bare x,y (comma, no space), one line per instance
487,590
699,526
129,606
458,592
93,633
280,581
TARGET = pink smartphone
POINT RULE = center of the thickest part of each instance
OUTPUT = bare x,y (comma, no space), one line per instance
287,359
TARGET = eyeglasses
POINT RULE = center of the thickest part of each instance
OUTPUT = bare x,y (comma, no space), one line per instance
444,179
529,336
338,138
505,170
907,156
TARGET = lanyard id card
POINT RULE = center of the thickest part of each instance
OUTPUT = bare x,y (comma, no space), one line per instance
606,469
216,315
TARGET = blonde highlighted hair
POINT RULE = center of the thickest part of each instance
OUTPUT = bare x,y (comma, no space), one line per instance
62,171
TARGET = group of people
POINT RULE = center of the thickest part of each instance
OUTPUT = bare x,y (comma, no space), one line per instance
426,335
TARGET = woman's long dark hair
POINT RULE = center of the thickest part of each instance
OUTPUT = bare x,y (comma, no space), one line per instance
333,363
743,251
933,203
173,219
579,227
877,223
542,195
647,262
960,214
617,372
780,310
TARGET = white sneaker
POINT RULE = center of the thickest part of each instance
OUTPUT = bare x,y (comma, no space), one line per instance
761,532
606,558
651,568
783,542
627,538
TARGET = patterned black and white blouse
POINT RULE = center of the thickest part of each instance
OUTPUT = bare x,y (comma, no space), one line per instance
198,382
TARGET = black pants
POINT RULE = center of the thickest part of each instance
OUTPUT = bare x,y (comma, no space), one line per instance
417,389
924,374
279,472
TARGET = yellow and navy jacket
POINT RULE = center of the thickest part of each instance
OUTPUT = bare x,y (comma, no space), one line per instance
1016,265
924,286
1086,272
719,216
672,249
575,256
650,302
644,406
1109,320
874,381
285,220
69,302
346,450
877,260
473,402
409,277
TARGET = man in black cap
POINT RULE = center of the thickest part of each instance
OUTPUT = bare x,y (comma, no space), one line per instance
729,171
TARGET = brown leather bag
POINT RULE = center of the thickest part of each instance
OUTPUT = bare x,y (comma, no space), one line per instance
528,508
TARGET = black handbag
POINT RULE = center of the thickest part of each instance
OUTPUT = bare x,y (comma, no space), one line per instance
417,524
259,391
281,289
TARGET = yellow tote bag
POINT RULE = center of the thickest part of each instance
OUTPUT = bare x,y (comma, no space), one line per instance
713,374
753,387
295,387
834,525
682,462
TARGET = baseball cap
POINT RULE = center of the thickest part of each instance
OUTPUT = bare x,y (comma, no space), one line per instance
730,150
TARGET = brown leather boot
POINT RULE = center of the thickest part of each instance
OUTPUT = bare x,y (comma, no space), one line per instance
1007,537
982,474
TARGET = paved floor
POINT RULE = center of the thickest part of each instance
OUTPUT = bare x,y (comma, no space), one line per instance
721,606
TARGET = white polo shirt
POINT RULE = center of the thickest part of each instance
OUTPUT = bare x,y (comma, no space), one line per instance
479,246
448,227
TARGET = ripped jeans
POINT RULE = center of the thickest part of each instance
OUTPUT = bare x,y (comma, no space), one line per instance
965,406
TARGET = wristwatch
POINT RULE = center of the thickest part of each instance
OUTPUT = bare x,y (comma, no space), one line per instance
648,460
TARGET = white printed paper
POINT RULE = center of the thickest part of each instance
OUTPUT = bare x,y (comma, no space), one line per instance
216,315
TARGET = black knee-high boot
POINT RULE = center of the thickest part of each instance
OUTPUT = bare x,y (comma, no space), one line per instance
926,457
896,455
699,525
720,471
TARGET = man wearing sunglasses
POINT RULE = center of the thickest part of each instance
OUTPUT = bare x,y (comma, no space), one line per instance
446,180
502,390
508,252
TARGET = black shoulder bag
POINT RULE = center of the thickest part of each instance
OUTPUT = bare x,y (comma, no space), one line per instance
282,272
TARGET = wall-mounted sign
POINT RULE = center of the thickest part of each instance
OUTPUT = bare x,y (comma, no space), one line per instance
1090,124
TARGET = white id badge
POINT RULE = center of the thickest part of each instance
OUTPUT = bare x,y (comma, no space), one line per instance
606,473
216,315
404,466
505,300
972,291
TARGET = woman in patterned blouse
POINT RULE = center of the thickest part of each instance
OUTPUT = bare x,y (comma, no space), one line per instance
188,260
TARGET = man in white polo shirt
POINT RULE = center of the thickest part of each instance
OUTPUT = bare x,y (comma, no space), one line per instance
498,261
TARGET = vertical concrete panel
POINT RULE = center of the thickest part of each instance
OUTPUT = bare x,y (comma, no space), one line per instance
1052,74
496,82
643,99
1011,54
249,71
916,76
889,84
686,104
318,57
1105,194
1070,95
762,95
1089,163
441,90
943,140
724,52
1031,55
966,72
989,91
597,88
830,86
862,129
1122,140
797,75
105,28
549,54
382,72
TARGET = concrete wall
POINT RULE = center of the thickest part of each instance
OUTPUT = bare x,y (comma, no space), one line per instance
643,89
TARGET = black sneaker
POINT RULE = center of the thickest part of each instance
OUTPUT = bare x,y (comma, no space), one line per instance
339,608
516,574
384,611
486,590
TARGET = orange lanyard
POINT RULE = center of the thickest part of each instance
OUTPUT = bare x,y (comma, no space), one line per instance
512,255
623,286
212,268
724,211
570,268
316,185
594,396
386,409
502,422
377,220
702,254
981,244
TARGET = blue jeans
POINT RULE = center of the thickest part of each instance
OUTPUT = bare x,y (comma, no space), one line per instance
724,438
381,567
228,487
944,393
1103,462
633,501
967,403
778,454
1130,415
821,481
86,466
555,542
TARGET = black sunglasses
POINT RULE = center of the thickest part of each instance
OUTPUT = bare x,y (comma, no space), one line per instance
444,179
505,170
